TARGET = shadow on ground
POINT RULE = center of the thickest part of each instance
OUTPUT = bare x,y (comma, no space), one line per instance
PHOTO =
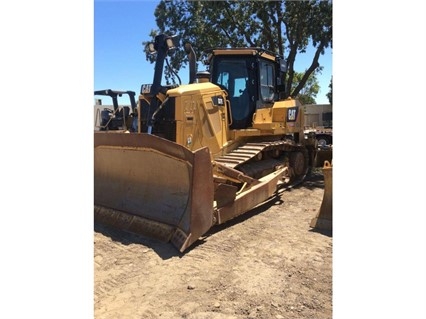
162,249
325,232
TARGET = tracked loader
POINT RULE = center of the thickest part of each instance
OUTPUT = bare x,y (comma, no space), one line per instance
203,153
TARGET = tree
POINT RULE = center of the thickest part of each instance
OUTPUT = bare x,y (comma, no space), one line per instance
309,91
283,27
330,93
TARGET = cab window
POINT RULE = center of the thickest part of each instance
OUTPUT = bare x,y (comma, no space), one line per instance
267,88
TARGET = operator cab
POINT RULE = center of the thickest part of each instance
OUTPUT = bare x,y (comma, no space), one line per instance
123,117
252,79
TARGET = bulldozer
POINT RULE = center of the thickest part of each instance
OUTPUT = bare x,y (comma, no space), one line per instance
116,118
202,153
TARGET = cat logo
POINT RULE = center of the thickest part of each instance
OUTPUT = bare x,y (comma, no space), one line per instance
292,113
146,88
218,100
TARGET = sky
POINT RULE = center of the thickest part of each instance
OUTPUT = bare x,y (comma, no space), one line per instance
119,60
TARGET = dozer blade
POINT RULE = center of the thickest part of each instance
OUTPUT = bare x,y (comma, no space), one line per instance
324,218
151,186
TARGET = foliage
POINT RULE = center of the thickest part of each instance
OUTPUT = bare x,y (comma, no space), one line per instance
283,27
309,91
330,93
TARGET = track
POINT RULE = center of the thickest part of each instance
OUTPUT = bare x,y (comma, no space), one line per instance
257,159
250,151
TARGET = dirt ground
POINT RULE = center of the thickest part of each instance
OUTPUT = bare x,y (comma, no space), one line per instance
267,263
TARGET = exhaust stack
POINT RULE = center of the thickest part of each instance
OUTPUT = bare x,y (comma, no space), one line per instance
189,50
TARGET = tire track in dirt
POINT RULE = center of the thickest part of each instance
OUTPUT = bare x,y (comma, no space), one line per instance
267,263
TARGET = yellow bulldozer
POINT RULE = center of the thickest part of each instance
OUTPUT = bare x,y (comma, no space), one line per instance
196,155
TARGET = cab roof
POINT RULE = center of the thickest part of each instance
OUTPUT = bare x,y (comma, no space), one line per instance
243,51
